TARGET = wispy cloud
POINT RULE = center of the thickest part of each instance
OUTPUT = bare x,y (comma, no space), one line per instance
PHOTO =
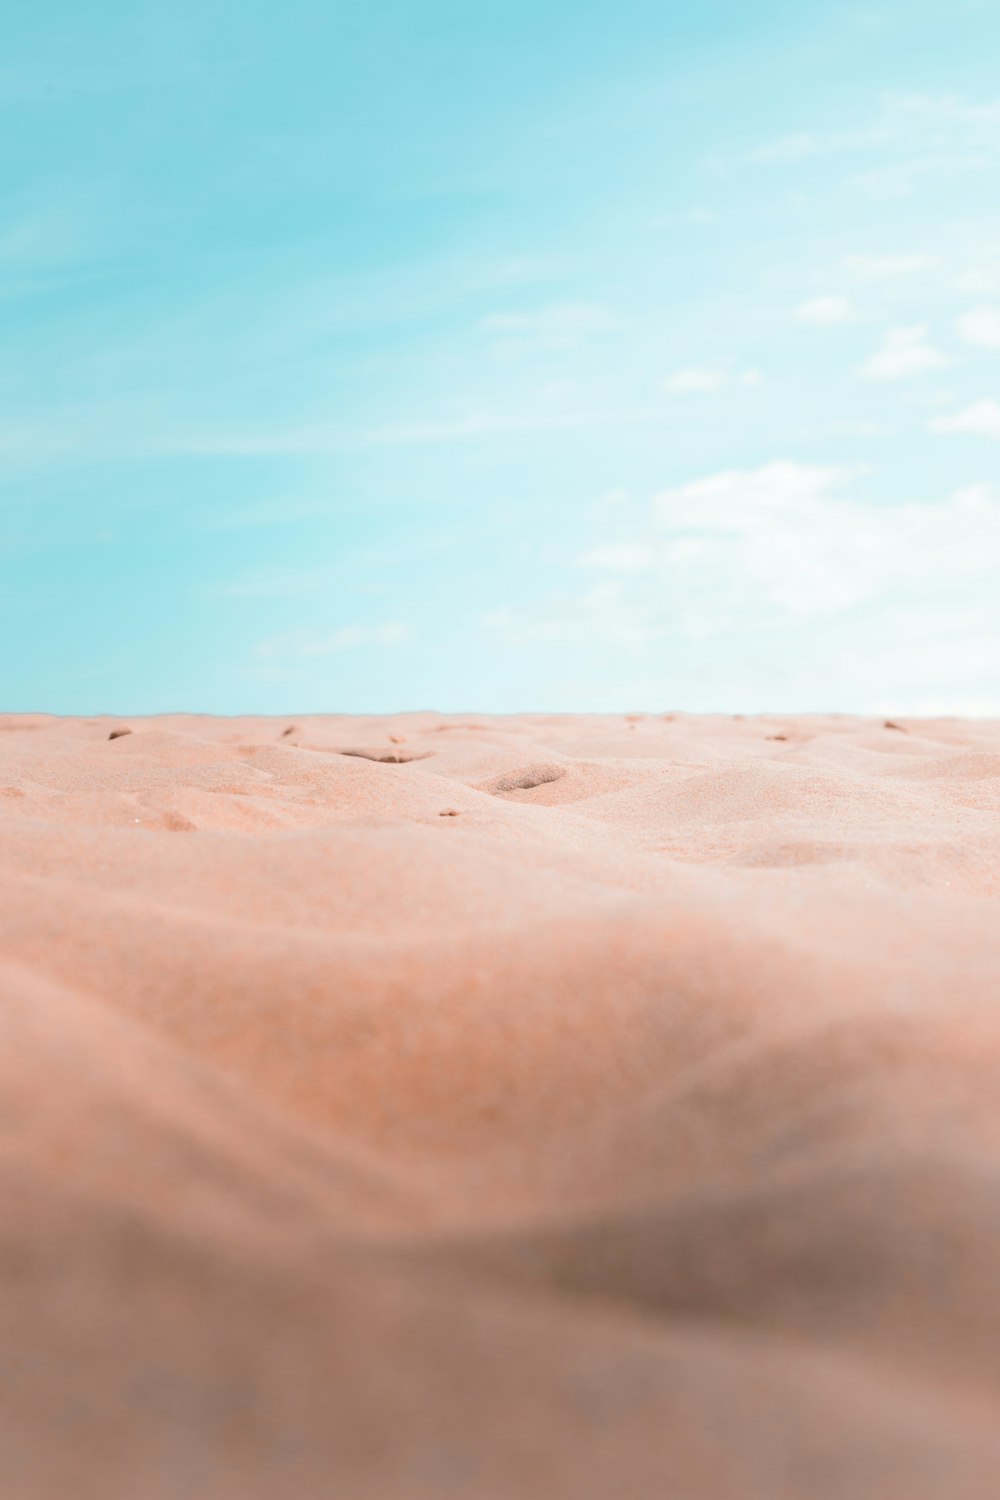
824,312
981,419
318,439
562,326
606,614
795,147
621,557
309,645
784,572
889,266
695,381
913,133
982,278
292,583
981,325
904,352
792,535
706,380
50,233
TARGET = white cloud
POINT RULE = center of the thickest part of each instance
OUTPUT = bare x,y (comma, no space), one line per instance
705,380
787,539
273,584
294,442
604,614
626,557
790,538
889,265
982,419
946,109
773,532
781,584
972,497
787,149
824,312
981,325
980,280
909,137
695,381
561,326
904,352
305,645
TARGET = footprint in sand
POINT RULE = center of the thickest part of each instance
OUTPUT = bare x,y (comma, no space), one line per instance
388,757
523,780
176,822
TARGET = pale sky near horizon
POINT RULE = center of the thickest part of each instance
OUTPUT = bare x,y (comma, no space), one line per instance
536,356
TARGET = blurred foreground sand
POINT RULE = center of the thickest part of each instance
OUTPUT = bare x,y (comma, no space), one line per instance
500,1109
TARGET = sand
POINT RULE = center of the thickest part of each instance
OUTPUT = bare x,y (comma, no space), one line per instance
444,1108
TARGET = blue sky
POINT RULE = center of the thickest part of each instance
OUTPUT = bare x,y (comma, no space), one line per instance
540,356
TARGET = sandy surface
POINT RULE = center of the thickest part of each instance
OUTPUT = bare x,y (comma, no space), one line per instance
499,1109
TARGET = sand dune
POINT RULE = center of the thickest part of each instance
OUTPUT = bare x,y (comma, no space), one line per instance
496,1109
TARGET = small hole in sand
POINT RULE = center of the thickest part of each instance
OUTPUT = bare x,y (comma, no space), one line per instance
117,734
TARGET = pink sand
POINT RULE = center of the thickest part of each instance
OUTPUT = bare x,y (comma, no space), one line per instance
510,1109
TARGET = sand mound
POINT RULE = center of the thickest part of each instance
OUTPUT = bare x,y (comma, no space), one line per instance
478,1109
